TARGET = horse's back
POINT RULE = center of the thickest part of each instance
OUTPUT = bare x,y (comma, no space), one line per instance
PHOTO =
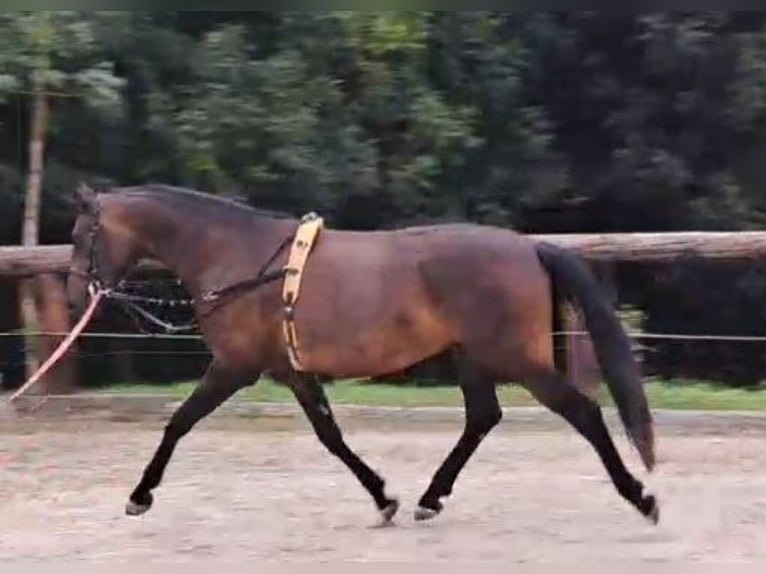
423,242
460,258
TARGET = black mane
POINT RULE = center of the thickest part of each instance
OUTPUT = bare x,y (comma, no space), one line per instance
204,200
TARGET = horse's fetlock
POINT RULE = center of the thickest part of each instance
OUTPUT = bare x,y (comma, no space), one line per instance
631,489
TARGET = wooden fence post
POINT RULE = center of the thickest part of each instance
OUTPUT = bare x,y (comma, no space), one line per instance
53,317
583,370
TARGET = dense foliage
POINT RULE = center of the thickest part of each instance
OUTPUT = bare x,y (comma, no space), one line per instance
571,121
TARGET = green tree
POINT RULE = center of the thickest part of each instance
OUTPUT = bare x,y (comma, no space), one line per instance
653,112
45,53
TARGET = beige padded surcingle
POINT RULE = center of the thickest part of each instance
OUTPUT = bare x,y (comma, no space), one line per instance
300,249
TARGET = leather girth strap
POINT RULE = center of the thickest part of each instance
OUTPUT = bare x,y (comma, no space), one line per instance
305,237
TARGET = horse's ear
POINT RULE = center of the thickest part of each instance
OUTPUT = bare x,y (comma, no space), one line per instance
85,198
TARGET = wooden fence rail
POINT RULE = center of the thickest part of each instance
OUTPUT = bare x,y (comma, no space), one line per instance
598,247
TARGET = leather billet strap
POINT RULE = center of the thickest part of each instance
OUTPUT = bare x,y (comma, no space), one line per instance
305,238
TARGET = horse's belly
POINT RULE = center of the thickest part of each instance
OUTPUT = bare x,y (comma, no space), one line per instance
379,347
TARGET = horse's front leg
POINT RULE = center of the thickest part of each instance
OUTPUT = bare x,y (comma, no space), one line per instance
218,384
312,398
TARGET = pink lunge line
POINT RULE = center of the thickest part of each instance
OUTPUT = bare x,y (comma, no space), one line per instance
62,348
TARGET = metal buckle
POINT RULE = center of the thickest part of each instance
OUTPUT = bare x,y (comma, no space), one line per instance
94,287
210,296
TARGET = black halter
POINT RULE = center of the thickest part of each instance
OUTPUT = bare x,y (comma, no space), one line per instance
92,273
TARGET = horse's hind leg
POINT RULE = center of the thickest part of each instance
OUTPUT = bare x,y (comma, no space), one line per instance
585,416
312,398
217,385
482,414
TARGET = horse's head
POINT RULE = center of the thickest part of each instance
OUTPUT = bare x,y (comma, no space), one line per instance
102,250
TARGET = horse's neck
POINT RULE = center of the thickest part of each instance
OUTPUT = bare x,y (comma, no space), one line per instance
202,252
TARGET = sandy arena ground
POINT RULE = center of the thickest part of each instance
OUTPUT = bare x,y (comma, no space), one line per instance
244,492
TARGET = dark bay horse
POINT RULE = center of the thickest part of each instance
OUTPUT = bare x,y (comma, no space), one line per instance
372,303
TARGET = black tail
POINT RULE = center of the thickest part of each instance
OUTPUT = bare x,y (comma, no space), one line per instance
574,281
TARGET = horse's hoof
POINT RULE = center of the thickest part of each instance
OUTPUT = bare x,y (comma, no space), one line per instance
133,508
388,513
650,509
424,513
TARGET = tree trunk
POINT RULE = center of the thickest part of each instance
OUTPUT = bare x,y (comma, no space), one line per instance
31,223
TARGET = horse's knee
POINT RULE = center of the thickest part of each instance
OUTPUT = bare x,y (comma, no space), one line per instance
485,421
556,393
492,419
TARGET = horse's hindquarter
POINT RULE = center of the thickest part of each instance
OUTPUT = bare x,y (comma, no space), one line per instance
491,285
364,308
